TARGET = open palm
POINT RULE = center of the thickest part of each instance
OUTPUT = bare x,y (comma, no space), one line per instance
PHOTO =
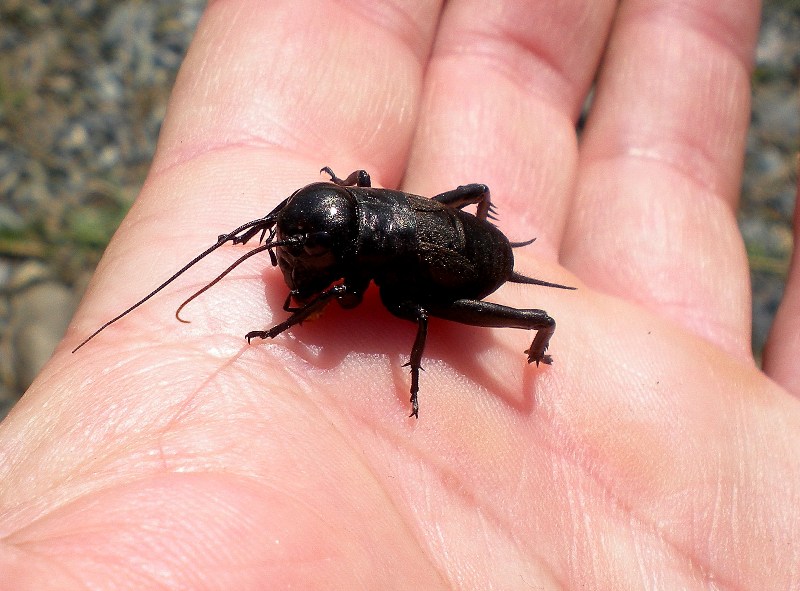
652,454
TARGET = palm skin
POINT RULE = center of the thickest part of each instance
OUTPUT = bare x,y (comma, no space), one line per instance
652,454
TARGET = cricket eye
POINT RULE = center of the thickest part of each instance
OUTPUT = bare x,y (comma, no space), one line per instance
317,243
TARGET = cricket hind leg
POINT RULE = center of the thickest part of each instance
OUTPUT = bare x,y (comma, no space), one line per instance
491,315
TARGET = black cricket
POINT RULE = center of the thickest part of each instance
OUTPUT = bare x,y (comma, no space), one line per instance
428,257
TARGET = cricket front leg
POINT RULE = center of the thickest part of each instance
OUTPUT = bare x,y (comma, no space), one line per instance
488,314
315,306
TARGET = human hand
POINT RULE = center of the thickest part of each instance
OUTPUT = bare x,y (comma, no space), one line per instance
653,453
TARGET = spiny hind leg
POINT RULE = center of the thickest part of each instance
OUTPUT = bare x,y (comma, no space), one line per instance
488,314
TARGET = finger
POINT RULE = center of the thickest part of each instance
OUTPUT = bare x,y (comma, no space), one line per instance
780,351
502,93
309,78
268,94
660,166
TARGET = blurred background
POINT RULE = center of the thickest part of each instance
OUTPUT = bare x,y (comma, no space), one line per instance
83,89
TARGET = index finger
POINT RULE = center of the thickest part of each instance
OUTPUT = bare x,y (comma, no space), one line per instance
268,93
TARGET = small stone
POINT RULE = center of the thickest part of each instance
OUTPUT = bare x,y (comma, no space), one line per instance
41,316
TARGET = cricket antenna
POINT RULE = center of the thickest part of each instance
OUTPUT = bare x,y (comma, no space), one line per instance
236,263
238,236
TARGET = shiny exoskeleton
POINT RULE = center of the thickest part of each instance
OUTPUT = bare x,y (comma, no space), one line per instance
428,257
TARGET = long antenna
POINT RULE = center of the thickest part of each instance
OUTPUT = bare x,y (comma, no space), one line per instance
253,227
219,277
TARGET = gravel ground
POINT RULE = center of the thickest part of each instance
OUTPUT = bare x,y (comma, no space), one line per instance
83,90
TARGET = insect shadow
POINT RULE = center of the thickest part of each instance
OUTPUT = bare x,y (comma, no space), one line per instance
327,341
